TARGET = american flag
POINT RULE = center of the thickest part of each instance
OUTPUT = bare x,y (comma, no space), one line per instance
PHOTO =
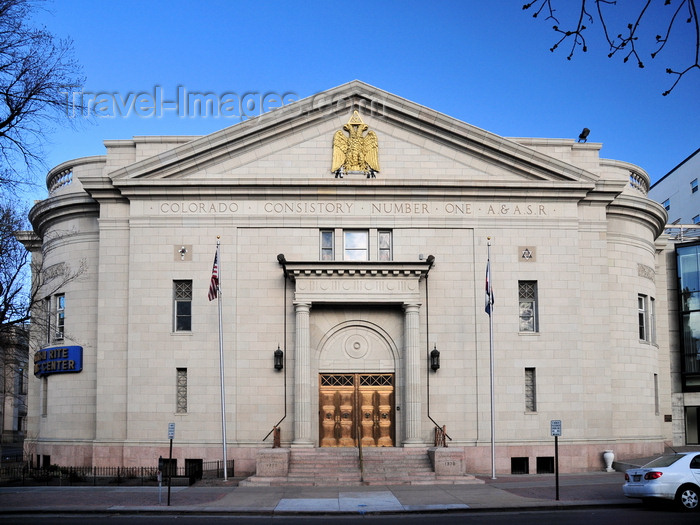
489,290
214,283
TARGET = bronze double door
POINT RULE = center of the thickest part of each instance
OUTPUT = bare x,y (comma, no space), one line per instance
356,406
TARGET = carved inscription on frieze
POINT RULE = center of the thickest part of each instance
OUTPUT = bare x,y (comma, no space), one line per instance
360,208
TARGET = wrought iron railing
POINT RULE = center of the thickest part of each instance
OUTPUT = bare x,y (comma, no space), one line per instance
66,476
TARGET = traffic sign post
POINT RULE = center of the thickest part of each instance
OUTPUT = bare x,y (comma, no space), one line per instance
171,436
555,429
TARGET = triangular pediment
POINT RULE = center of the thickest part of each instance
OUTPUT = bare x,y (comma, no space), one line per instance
294,143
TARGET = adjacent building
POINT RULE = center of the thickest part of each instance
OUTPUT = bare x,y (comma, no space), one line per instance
678,192
13,384
353,232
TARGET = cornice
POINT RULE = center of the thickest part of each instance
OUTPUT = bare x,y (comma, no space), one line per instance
29,239
329,188
296,270
102,189
640,209
60,208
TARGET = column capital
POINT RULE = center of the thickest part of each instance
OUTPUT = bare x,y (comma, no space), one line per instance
411,307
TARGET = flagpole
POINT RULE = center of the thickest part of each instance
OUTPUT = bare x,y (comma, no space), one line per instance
491,374
221,362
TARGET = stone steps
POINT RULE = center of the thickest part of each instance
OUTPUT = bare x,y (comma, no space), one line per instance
341,467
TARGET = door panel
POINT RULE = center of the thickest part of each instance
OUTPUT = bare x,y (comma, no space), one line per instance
349,401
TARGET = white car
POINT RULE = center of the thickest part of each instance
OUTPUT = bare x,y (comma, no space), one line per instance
674,477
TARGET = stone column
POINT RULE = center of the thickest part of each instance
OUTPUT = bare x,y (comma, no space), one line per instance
412,364
302,378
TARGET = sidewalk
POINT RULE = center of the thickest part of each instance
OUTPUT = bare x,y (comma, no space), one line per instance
508,492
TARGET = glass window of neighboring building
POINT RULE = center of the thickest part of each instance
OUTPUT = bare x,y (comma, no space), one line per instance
667,204
694,185
696,219
688,259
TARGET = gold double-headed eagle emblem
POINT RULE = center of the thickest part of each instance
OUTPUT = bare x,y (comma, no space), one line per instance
355,152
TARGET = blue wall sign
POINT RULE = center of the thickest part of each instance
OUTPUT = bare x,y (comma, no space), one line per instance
58,360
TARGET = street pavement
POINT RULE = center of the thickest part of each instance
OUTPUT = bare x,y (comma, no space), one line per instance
219,497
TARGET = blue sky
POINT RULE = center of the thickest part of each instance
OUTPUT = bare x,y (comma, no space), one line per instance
484,62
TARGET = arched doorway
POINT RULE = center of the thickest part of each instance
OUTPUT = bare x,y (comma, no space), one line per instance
357,387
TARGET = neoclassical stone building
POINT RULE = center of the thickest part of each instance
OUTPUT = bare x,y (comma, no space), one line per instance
354,231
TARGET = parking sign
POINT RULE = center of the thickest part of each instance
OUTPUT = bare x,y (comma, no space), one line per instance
556,427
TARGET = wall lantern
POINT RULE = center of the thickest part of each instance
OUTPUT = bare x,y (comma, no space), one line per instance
279,358
435,359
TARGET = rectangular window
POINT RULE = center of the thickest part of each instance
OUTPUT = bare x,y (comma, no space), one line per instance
181,396
530,390
327,245
384,249
21,380
44,396
356,245
49,320
520,465
694,185
656,394
182,292
652,320
527,292
545,464
696,219
60,315
646,312
667,204
642,315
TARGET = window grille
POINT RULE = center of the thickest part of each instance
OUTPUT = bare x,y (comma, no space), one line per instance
181,396
530,390
527,292
337,380
377,380
182,291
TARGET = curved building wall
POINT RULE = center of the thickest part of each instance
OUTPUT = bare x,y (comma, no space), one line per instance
63,404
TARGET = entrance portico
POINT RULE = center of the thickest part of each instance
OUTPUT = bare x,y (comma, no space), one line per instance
369,284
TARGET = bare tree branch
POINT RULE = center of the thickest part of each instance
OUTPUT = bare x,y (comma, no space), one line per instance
36,71
625,43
